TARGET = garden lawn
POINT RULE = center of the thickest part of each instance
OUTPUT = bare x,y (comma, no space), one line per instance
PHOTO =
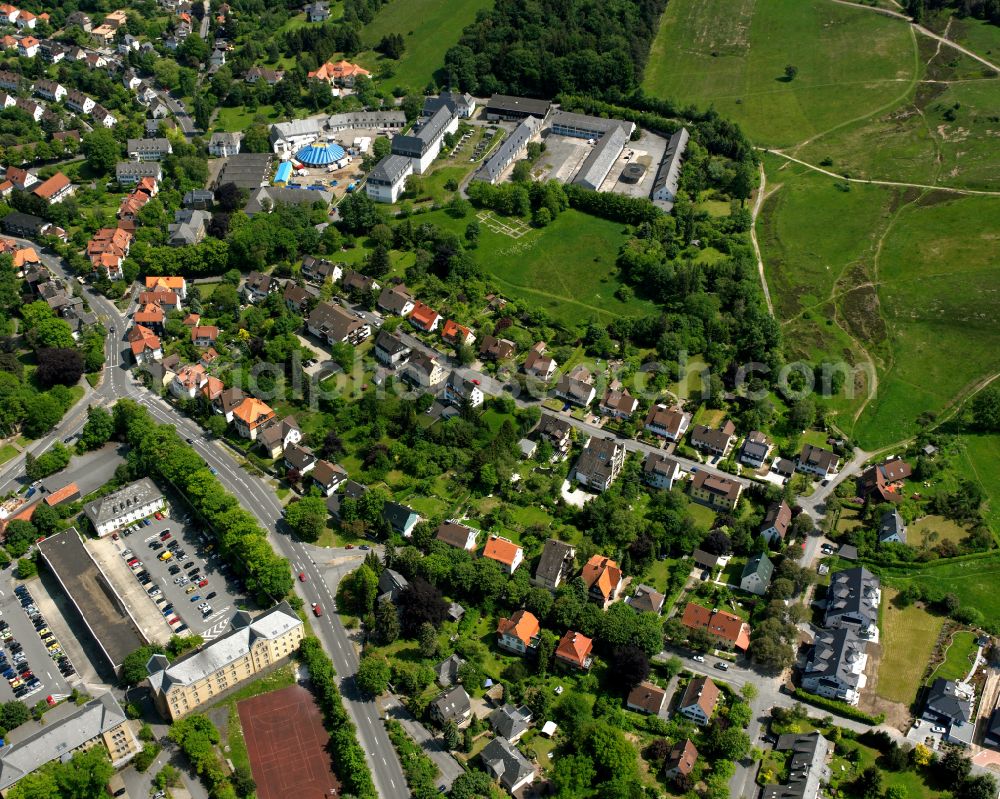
979,461
429,28
732,54
958,659
239,117
974,581
908,636
7,452
844,771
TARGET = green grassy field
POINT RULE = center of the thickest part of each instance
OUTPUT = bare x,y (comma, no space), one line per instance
7,452
979,462
567,268
732,54
429,28
908,638
973,582
958,657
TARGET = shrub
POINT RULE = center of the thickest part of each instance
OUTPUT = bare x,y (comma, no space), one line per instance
840,708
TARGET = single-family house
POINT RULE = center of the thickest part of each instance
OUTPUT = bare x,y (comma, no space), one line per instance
538,364
817,461
328,476
497,349
452,705
617,402
390,585
600,463
447,670
510,722
507,765
680,762
299,458
660,471
505,552
577,387
646,697
558,432
883,482
699,700
756,447
257,286
727,630
604,580
756,577
555,564
892,528
400,518
188,380
717,441
715,490
949,704
275,435
145,345
424,370
666,422
646,599
458,535
423,317
776,522
457,335
520,634
250,415
297,298
390,350
204,335
396,300
459,389
576,650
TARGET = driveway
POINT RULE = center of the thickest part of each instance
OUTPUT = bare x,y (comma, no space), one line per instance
433,747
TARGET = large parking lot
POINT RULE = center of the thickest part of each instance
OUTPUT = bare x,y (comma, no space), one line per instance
180,578
31,671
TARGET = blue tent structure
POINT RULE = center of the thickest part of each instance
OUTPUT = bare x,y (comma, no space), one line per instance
320,154
284,173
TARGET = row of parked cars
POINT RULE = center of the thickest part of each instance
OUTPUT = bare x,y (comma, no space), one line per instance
155,592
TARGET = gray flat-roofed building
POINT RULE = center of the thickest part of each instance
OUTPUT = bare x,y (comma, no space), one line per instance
669,172
503,106
508,151
584,126
388,179
267,198
245,170
601,158
126,505
102,610
100,720
376,120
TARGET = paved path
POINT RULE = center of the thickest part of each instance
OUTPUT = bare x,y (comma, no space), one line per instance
449,768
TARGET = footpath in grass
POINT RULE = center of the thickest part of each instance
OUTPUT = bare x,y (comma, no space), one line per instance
732,54
958,658
907,641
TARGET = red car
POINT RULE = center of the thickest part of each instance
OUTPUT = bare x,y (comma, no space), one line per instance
158,516
165,535
302,577
203,583
114,536
349,546
132,561
317,610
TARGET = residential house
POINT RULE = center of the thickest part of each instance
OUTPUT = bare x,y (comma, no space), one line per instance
299,458
727,630
223,145
817,461
666,422
660,471
28,46
21,178
699,700
390,585
50,90
334,324
320,270
510,722
756,447
853,600
600,463
396,300
34,110
991,735
506,764
458,535
647,697
717,441
457,335
950,705
81,20
447,670
836,666
128,173
54,190
805,760
202,199
680,762
328,477
173,283
297,298
576,650
461,389
715,491
604,580
453,705
400,518
497,349
756,577
271,77
617,402
577,387
145,345
390,350
188,228
149,149
558,432
646,600
555,564
204,335
520,634
318,11
423,317
188,380
339,73
79,102
424,371
208,357
538,364
106,119
883,482
250,415
212,389
774,528
892,528
257,286
276,434
151,315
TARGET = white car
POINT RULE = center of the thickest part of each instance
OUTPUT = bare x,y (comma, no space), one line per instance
939,730
698,658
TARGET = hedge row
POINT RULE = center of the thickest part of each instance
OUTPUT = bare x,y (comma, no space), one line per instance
348,756
838,707
421,772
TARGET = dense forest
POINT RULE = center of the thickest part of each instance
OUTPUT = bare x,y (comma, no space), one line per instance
980,9
543,48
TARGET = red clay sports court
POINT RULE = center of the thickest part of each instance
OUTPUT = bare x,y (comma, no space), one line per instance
286,742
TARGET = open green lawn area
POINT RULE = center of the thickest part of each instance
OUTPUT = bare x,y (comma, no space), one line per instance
958,658
240,117
908,636
974,582
429,28
979,462
7,452
732,54
977,35
568,268
843,771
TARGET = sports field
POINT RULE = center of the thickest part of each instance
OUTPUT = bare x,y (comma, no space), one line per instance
429,28
907,640
286,742
732,54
